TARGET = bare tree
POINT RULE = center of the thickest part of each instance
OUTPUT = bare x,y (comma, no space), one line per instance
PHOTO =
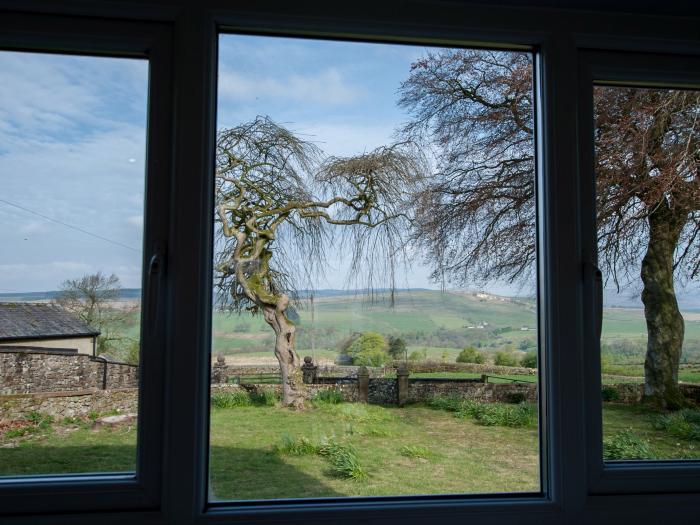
89,298
477,219
279,207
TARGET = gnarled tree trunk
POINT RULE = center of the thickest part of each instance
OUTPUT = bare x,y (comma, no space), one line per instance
665,328
292,384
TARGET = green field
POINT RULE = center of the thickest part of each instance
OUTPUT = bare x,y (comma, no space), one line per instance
441,324
412,450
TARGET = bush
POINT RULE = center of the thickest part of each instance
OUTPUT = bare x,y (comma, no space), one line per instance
296,447
397,347
419,355
497,414
529,360
267,398
332,397
505,359
471,355
625,444
343,460
684,424
370,349
515,398
231,399
610,394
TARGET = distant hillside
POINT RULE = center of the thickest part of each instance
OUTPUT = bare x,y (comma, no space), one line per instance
126,294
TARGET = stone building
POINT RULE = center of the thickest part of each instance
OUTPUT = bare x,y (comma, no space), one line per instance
46,327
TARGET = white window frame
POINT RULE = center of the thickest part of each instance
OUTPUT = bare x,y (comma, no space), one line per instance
171,486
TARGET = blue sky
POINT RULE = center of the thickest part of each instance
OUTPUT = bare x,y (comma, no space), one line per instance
72,148
72,143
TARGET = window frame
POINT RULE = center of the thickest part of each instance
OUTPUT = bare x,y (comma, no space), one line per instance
102,491
599,68
558,36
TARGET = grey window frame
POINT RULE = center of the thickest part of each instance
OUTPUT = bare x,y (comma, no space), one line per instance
651,70
184,129
45,34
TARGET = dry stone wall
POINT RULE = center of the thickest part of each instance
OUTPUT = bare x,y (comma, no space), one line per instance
25,371
69,404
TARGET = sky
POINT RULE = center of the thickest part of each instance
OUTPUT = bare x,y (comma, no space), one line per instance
72,151
73,132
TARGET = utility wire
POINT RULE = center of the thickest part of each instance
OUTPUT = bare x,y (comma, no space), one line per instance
77,228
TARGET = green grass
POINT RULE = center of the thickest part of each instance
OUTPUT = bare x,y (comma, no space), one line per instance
642,421
467,458
345,449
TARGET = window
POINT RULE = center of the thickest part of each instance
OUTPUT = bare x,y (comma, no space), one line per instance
573,51
339,170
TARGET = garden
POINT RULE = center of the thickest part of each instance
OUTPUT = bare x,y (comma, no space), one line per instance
261,450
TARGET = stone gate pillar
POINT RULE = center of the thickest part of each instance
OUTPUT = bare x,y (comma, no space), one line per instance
363,384
309,370
402,384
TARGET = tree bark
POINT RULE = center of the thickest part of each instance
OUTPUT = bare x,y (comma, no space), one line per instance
290,365
665,326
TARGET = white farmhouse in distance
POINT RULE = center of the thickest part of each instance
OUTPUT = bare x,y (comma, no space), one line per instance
44,327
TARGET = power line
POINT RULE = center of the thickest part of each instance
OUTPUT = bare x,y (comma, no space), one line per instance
77,228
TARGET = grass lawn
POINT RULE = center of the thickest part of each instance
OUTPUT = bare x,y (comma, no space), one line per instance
414,450
618,417
461,455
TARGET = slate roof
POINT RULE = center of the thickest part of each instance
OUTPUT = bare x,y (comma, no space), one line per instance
40,321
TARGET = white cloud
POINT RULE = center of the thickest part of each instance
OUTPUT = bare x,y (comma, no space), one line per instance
327,87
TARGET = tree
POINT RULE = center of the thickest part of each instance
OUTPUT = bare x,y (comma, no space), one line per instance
477,219
89,298
471,355
276,198
397,347
370,349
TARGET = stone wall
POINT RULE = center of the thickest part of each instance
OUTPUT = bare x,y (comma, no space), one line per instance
25,371
421,390
437,366
220,371
69,404
631,393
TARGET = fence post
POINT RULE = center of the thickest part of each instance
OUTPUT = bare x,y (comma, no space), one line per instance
363,384
402,384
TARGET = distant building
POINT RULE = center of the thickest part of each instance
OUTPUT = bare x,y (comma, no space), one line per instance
44,326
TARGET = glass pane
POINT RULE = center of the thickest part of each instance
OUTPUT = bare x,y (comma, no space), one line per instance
648,206
375,319
72,166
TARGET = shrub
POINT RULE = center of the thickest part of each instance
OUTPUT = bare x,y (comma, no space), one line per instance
332,397
297,447
266,398
684,424
471,355
610,394
370,349
498,414
447,403
418,355
625,444
505,359
529,360
515,398
231,399
343,460
397,347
